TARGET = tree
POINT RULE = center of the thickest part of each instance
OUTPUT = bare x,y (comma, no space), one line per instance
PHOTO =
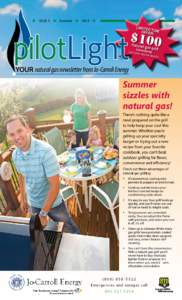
10,103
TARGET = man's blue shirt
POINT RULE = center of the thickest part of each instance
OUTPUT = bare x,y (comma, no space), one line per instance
37,165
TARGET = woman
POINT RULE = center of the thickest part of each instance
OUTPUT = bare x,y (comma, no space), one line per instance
81,117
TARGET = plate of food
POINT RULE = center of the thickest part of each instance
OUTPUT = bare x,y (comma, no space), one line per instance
63,158
110,153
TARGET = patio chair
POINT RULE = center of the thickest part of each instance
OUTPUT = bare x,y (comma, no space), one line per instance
108,195
67,192
56,140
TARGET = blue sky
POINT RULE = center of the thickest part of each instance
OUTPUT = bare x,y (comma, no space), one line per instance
89,9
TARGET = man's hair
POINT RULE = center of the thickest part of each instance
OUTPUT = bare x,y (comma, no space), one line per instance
16,117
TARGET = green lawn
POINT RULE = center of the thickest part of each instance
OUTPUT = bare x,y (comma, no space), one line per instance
55,114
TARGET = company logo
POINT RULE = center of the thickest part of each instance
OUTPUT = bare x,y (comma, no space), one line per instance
16,282
20,27
164,282
31,48
164,285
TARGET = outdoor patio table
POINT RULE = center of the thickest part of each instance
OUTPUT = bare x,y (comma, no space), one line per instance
99,167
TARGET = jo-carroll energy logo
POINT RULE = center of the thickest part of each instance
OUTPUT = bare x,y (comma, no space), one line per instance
31,48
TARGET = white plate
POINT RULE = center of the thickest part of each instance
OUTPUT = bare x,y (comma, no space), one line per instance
101,165
99,151
72,169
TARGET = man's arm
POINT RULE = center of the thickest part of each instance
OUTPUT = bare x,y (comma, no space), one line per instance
52,169
54,186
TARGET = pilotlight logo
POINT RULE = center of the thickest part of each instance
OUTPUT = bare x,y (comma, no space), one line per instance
20,27
64,49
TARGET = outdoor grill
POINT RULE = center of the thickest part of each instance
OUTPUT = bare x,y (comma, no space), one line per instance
24,245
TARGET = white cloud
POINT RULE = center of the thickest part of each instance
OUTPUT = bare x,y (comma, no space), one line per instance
180,53
152,12
177,26
2,54
76,1
178,11
56,3
12,9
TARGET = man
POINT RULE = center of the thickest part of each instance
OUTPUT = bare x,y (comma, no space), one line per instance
38,169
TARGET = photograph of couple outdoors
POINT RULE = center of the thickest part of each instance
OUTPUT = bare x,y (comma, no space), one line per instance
73,177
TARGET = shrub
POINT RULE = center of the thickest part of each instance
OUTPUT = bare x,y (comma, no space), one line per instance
10,104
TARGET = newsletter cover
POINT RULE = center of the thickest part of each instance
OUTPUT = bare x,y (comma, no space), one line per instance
90,149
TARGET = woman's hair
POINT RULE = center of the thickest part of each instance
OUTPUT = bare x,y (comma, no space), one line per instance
81,92
95,129
71,133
